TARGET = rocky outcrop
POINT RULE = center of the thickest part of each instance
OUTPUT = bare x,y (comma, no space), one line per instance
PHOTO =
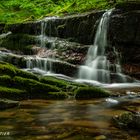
124,35
64,50
56,66
128,121
78,28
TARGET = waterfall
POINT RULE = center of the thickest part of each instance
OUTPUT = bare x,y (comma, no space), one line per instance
38,62
98,66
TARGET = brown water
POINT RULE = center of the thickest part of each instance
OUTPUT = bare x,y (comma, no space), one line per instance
67,120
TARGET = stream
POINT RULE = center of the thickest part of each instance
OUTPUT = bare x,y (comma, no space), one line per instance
68,119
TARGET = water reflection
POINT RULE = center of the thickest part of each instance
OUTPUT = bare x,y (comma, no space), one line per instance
69,119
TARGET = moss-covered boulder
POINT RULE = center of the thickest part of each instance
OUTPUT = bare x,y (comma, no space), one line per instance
55,82
6,104
12,93
21,43
90,93
33,86
8,69
17,84
127,121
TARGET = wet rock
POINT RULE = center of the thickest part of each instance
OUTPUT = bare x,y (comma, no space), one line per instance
14,59
18,43
78,28
124,35
5,104
64,50
128,121
91,92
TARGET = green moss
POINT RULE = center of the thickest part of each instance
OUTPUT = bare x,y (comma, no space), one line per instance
90,92
5,80
18,42
127,120
68,86
54,81
8,69
34,86
25,74
12,93
57,95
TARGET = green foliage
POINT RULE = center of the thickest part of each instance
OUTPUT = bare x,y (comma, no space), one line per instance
90,92
12,11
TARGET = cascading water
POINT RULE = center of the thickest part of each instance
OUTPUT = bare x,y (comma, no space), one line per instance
36,61
97,66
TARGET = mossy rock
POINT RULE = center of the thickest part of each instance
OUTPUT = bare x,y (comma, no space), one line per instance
90,92
57,95
68,86
8,69
18,42
33,86
55,82
127,121
6,104
12,93
5,80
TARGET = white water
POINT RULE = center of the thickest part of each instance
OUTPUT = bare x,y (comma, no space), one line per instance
97,66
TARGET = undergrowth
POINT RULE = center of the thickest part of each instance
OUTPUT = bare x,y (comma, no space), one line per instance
16,11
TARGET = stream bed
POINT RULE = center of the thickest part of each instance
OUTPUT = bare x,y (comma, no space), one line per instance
68,119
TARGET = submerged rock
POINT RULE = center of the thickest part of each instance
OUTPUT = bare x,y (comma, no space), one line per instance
5,104
128,121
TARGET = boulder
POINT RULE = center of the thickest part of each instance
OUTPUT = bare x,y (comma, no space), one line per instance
6,104
127,121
